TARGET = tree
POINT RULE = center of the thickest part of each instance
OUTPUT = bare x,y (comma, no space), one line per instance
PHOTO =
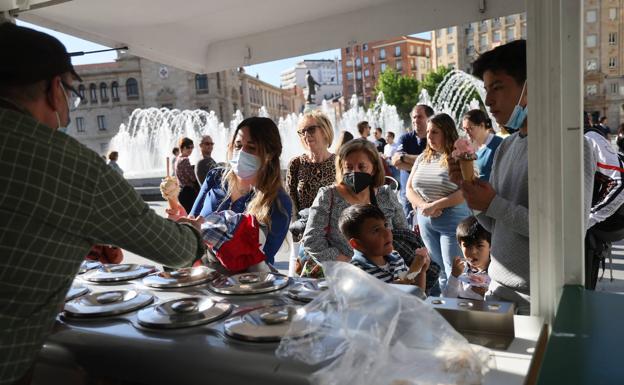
399,90
432,80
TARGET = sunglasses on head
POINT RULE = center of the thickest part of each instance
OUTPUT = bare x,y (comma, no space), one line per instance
307,130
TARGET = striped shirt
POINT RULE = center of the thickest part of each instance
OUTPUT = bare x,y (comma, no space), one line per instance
430,179
390,272
58,198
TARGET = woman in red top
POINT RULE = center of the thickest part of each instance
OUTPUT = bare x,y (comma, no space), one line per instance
185,173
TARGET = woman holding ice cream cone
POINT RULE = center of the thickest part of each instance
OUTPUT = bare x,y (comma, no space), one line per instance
439,202
477,125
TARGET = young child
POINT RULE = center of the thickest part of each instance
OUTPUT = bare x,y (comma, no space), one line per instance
469,278
367,230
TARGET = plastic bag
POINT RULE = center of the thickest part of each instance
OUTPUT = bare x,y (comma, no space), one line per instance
364,331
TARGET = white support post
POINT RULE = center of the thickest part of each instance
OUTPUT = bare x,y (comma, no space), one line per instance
555,82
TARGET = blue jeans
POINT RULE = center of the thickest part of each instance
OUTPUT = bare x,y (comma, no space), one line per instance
439,237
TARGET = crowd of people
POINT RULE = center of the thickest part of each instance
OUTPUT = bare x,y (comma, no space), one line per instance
395,209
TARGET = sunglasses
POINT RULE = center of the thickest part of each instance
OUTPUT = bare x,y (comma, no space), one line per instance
307,130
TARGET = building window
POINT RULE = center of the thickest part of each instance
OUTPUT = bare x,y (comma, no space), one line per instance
496,36
366,73
397,50
511,33
104,92
590,16
612,38
364,47
80,124
115,91
82,92
450,30
483,40
383,67
349,75
399,65
523,31
219,81
621,90
590,41
358,75
439,52
614,88
349,63
612,13
93,92
591,89
612,62
510,19
365,59
348,50
591,65
413,64
358,63
101,122
427,51
201,84
450,48
132,89
382,54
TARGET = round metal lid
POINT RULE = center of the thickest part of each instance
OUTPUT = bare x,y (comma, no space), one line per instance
107,303
249,283
75,291
116,273
183,312
187,276
87,265
306,291
265,324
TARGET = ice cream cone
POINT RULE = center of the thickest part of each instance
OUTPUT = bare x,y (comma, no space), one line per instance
173,203
467,169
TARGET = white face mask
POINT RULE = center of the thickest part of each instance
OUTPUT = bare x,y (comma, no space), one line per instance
244,165
58,117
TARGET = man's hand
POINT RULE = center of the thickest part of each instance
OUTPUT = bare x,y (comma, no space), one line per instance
458,267
196,222
396,159
478,194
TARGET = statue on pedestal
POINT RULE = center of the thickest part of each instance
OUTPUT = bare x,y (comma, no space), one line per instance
311,87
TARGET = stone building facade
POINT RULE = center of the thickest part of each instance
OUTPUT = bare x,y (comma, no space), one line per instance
603,54
362,63
111,91
458,46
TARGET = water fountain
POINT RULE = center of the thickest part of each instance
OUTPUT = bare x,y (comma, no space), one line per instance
151,133
453,96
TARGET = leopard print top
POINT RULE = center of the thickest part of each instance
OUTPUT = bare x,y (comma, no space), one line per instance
304,178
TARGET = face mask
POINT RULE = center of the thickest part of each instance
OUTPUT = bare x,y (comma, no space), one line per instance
518,115
58,117
358,181
244,165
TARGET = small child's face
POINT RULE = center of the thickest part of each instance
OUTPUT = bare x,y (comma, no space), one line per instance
375,238
477,254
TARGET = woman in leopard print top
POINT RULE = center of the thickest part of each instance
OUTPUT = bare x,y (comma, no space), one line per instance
309,172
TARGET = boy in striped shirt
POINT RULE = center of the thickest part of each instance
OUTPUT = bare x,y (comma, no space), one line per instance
367,231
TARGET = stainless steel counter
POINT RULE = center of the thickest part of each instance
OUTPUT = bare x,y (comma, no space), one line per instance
117,350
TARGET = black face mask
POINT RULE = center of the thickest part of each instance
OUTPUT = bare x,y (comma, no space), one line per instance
358,181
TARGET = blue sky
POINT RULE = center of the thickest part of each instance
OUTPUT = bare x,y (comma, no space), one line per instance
269,72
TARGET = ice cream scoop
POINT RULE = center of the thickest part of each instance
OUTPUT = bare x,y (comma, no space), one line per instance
465,154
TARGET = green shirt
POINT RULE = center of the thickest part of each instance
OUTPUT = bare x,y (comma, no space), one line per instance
57,199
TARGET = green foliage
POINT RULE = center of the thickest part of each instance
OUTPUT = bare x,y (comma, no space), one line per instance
432,80
399,90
